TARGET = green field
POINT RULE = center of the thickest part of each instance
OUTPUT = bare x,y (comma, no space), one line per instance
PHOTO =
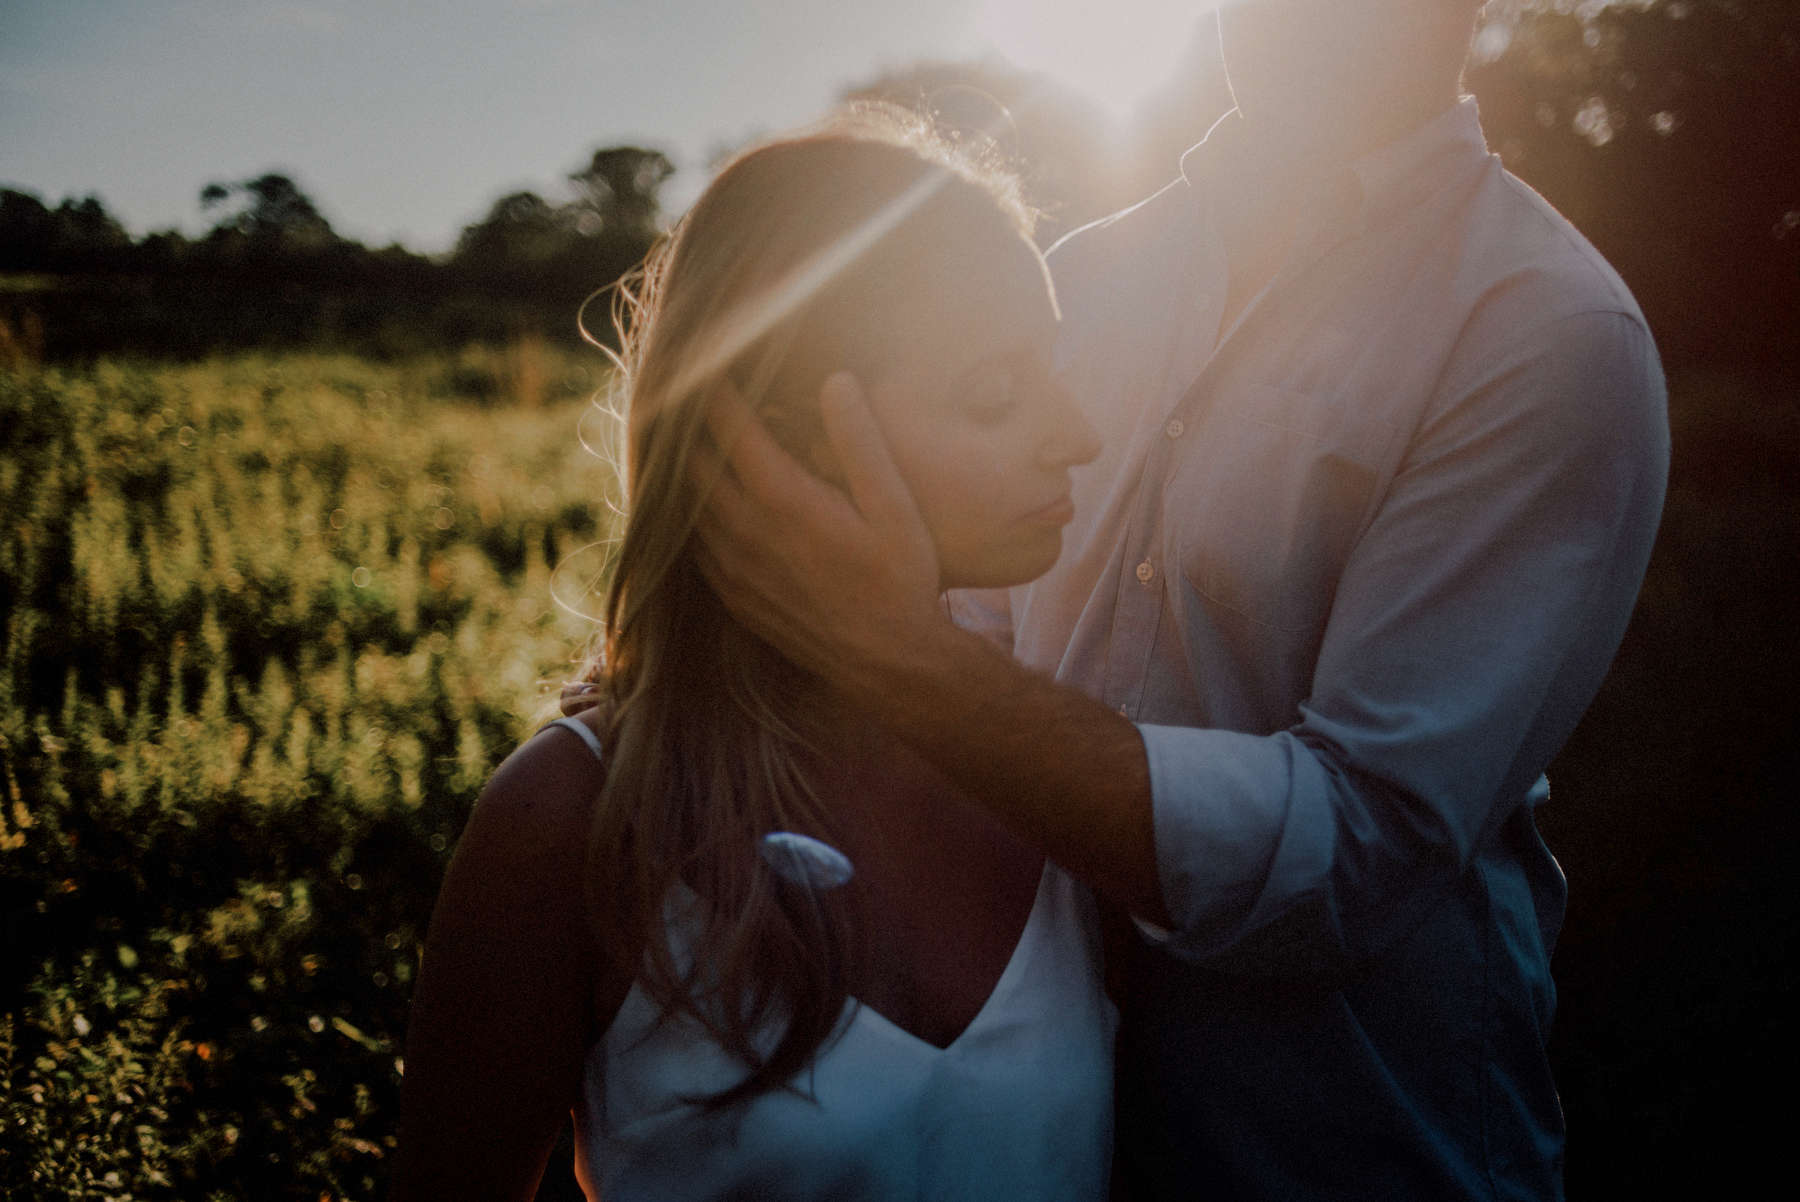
269,624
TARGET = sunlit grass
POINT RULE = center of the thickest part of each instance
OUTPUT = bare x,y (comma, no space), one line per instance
268,625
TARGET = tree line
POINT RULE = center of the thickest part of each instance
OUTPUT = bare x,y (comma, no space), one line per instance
271,272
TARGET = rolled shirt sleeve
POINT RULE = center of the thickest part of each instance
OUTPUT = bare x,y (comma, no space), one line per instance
1473,623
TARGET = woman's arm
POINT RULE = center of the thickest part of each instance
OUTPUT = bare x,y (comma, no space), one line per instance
512,992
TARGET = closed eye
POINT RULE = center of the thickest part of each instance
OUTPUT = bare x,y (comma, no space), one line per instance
988,392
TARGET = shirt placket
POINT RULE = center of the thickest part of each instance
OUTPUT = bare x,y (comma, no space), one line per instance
1143,586
1138,609
1142,581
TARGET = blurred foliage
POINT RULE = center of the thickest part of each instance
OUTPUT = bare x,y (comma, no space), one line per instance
268,625
92,1115
1665,130
274,212
527,247
77,234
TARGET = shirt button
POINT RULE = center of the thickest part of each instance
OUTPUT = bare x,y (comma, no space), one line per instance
1174,428
1145,571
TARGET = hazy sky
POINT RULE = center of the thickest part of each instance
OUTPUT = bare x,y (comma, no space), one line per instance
404,119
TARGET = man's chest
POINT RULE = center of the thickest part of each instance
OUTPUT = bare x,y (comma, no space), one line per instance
1249,467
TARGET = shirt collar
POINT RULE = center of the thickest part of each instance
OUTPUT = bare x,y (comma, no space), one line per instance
1401,175
1385,183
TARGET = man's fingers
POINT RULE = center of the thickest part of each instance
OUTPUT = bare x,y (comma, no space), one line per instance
772,490
876,486
577,697
748,448
729,511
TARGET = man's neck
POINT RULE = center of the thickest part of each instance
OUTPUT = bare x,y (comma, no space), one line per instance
1307,139
1257,199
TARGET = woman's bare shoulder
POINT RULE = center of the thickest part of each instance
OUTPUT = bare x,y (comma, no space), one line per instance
552,771
525,844
513,990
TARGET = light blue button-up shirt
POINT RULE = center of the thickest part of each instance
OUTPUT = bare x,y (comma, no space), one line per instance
1355,566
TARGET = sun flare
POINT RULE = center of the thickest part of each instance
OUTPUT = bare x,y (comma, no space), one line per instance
1115,50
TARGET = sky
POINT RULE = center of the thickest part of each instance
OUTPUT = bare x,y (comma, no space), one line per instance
405,119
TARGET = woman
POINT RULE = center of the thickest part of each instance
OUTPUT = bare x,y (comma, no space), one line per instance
616,932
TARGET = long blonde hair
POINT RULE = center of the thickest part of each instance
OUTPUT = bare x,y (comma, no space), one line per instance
714,739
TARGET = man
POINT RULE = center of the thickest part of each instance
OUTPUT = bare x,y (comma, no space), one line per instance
1385,451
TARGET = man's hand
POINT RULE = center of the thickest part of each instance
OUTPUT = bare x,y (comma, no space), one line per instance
839,584
849,588
576,697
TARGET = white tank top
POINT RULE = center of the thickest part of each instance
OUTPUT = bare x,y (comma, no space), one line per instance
1019,1106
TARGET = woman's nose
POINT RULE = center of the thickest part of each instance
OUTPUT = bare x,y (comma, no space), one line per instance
1072,439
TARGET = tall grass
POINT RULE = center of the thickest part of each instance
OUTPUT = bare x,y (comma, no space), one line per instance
268,625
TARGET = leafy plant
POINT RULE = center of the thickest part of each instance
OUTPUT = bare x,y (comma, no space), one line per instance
268,625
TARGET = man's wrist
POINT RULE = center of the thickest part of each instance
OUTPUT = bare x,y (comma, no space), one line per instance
910,652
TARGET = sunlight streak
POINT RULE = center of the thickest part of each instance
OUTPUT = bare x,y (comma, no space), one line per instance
767,311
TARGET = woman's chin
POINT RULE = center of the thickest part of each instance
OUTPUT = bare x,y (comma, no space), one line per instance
1012,566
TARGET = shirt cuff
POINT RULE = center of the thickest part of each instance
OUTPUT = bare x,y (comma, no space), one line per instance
1243,830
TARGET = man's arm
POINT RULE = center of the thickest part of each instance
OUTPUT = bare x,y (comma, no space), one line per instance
1469,629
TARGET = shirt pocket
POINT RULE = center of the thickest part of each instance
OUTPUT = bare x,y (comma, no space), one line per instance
1265,505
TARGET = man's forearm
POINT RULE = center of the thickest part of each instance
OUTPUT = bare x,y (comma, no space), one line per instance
1066,773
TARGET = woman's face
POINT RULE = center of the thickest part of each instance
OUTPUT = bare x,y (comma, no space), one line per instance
976,422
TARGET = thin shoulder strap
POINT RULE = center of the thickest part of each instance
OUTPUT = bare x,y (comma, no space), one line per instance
585,731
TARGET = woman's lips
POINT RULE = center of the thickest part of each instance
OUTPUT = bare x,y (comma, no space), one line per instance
1059,512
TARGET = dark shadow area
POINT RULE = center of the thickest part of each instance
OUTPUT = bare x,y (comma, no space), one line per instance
1672,814
559,1183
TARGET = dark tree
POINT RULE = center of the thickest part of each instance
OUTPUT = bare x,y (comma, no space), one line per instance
619,193
26,232
77,235
552,257
520,228
270,209
1666,131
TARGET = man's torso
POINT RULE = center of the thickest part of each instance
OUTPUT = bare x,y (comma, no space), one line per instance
1197,583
